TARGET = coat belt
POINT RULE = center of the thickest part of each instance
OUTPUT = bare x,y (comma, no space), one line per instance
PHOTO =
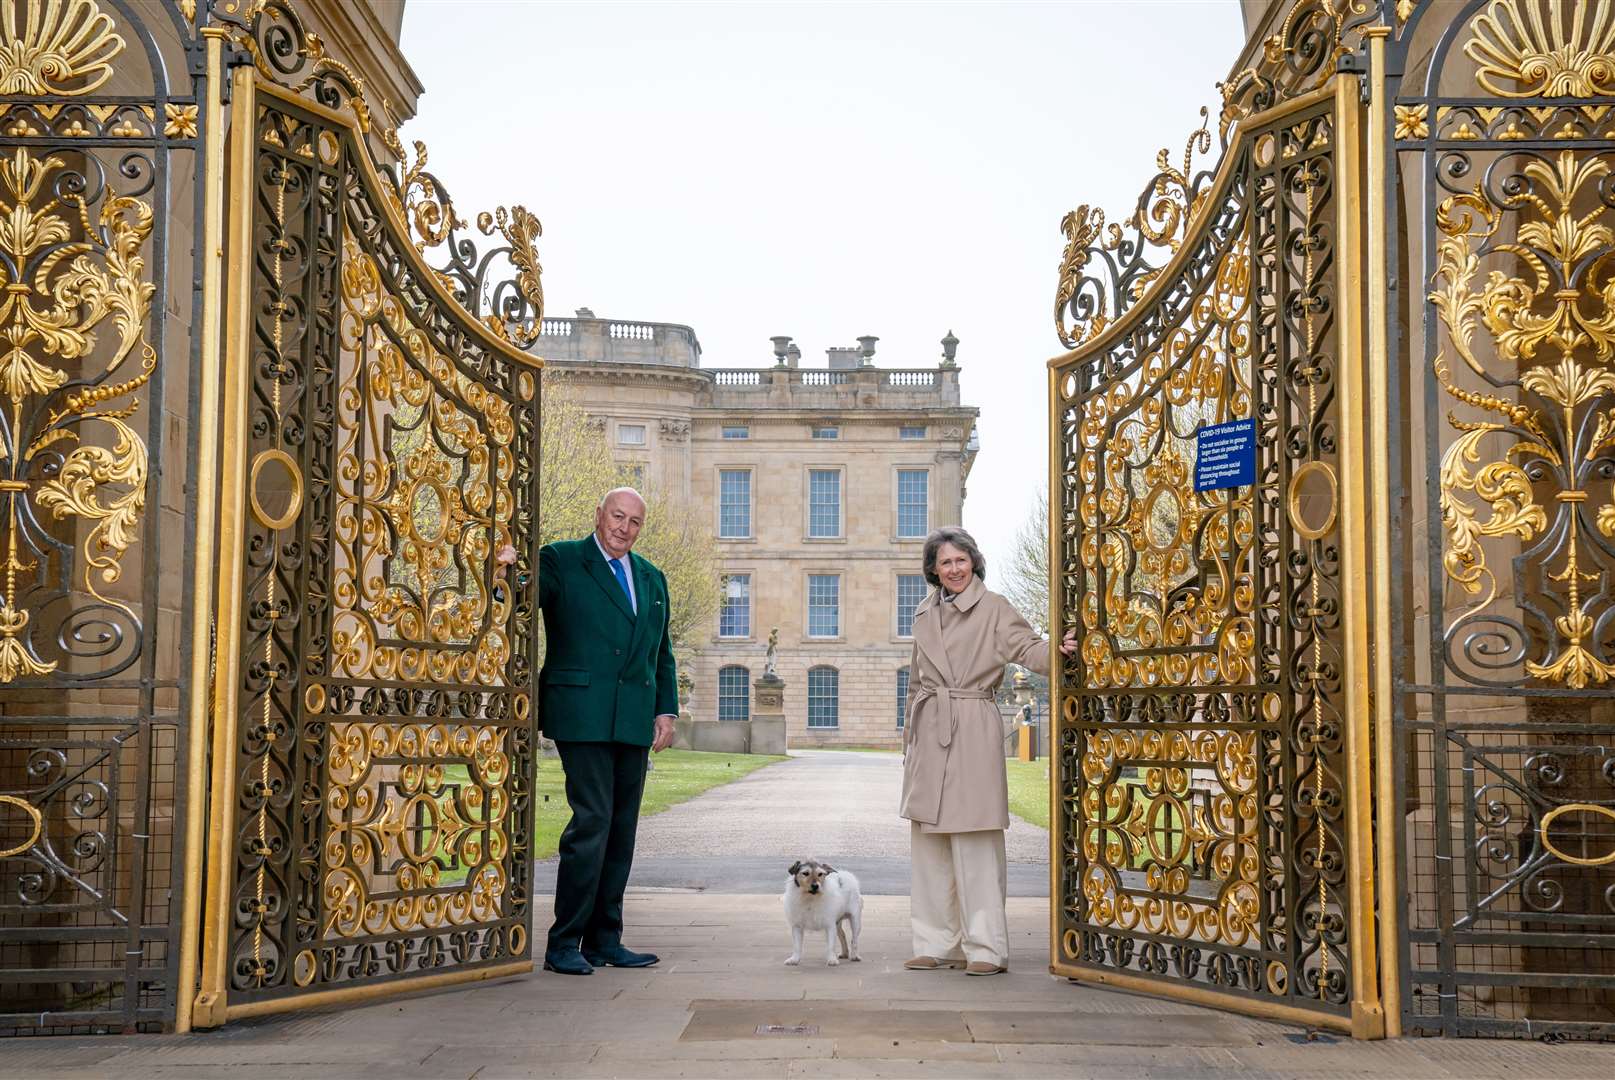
947,725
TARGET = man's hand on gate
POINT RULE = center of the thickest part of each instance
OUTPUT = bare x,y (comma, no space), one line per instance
664,733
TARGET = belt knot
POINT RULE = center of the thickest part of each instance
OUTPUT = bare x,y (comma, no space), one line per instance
947,723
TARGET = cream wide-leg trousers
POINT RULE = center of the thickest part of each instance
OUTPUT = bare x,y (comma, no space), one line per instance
957,895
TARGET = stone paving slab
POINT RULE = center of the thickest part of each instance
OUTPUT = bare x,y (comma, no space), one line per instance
1093,1029
646,1024
719,1021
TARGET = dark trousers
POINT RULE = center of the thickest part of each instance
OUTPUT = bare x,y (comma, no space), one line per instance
604,782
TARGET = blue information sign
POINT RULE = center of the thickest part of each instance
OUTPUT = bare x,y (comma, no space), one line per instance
1225,455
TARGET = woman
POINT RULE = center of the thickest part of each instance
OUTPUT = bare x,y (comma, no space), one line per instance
954,791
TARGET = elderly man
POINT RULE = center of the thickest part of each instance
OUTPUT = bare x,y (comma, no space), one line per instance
607,692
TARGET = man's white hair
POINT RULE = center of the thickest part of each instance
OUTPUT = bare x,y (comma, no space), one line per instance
620,491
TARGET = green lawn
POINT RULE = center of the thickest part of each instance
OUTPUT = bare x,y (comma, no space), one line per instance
1029,791
678,775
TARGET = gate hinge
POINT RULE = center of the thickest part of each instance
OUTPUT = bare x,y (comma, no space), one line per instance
1356,63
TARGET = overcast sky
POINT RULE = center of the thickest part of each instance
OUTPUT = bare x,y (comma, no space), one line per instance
823,170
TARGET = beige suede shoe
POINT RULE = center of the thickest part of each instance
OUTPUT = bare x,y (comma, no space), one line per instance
933,963
982,967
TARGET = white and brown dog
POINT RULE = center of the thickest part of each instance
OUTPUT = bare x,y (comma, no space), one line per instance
820,897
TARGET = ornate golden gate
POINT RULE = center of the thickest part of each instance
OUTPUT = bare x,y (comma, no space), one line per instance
1501,119
1211,801
374,726
1342,735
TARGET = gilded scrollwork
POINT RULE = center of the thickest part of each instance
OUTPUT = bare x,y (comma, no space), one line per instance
1202,748
1552,328
284,51
1104,269
69,266
420,521
418,832
386,652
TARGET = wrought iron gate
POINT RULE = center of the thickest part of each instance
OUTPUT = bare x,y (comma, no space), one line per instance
1503,126
375,730
1345,735
1211,809
100,109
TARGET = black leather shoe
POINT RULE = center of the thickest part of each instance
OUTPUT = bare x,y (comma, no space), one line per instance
567,962
617,956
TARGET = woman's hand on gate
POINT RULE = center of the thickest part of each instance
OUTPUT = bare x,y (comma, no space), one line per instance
1068,644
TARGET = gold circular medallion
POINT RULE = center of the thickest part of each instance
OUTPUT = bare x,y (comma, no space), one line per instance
37,827
518,940
255,492
1314,500
314,699
1564,856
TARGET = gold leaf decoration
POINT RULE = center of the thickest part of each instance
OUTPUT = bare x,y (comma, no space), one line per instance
520,228
61,47
180,121
1560,338
1412,121
1544,48
1501,484
65,273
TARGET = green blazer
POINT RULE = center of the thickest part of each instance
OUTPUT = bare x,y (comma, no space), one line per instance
608,673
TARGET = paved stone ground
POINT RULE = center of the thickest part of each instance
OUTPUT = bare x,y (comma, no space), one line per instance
707,1010
698,1013
832,805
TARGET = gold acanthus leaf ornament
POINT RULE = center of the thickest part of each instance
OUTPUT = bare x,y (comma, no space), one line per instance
61,47
1082,227
1544,48
519,228
65,274
1554,323
1504,486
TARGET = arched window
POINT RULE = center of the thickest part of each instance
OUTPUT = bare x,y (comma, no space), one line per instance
824,697
902,696
734,693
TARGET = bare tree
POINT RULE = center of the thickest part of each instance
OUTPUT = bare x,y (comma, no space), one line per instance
1025,580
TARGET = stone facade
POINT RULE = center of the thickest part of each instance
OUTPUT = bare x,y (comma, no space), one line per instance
849,427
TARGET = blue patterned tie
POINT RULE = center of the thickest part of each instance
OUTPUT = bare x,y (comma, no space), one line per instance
622,579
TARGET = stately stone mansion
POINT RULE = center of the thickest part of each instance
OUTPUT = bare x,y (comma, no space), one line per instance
820,483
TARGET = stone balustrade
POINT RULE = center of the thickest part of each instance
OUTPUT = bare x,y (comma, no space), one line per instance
589,340
817,388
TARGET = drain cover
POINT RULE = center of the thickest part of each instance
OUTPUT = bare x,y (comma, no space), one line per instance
798,1030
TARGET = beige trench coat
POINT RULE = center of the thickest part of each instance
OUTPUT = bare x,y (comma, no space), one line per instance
953,752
